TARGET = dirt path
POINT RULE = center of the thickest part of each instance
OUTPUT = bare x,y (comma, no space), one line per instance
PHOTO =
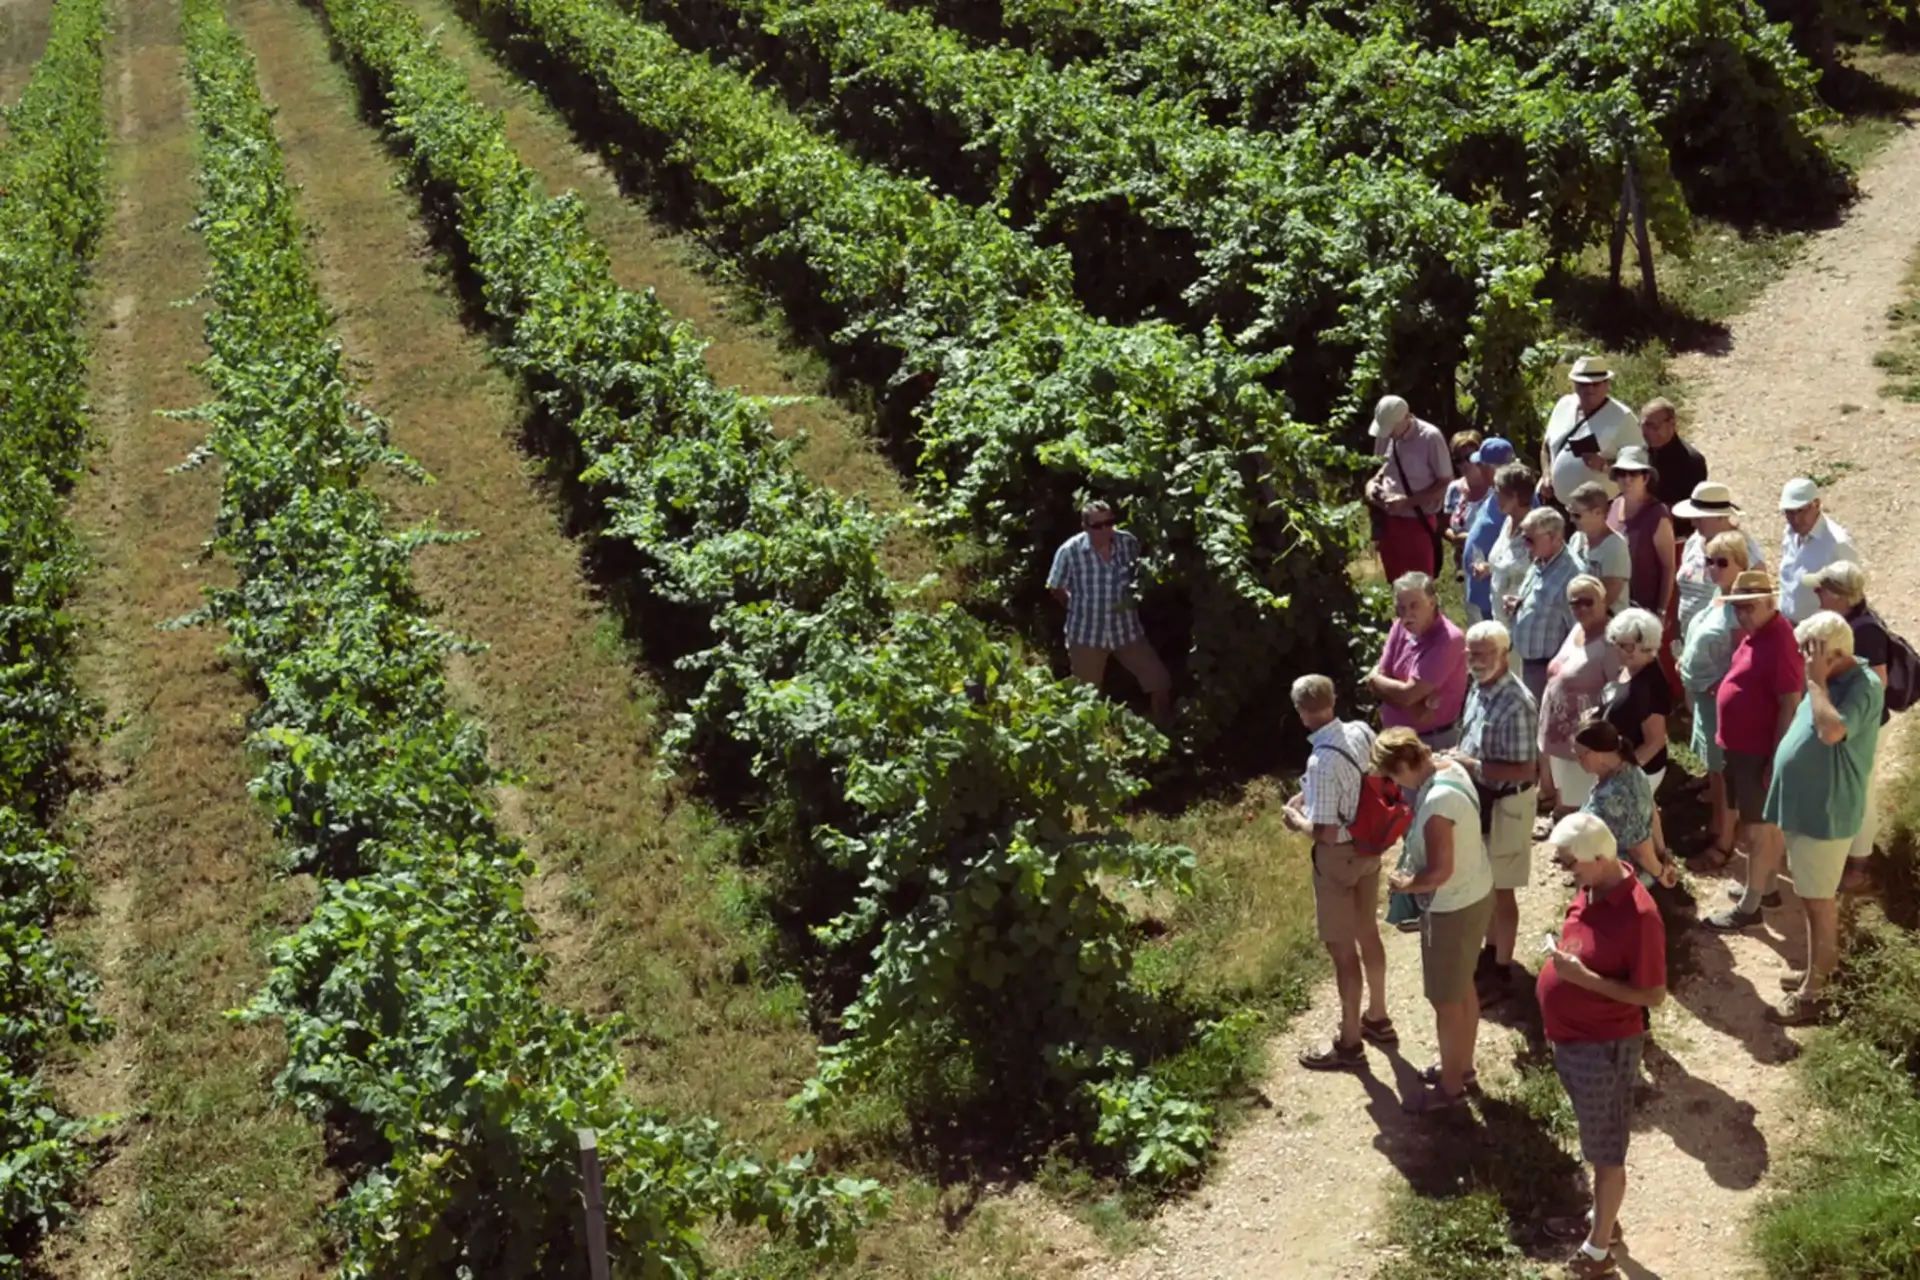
1300,1190
23,37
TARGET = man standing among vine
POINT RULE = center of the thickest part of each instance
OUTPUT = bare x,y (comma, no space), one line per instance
1406,495
1585,433
1093,577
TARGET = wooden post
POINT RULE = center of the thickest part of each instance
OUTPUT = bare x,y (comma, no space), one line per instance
1619,244
594,1194
1641,243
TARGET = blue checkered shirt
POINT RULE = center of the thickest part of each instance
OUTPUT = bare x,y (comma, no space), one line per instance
1100,605
1544,618
1501,724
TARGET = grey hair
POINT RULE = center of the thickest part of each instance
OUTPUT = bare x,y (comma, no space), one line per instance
1586,836
1416,581
1490,629
1637,625
1097,507
1544,520
1844,578
1830,629
1590,496
1312,693
1585,584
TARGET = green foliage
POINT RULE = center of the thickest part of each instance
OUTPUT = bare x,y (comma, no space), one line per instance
1017,401
1459,1238
52,208
411,1004
943,815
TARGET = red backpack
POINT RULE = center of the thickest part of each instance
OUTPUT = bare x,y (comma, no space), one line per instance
1382,817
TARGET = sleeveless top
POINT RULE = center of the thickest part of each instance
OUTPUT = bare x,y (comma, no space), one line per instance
1643,587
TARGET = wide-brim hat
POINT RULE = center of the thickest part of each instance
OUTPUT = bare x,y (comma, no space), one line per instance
1632,457
1752,584
1709,499
1591,369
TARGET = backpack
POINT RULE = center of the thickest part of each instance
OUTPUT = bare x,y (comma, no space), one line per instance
1382,816
1903,669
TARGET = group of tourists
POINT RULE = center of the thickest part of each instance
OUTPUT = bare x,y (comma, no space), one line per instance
1611,600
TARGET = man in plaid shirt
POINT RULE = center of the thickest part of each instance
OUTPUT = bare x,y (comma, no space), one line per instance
1541,615
1500,749
1093,577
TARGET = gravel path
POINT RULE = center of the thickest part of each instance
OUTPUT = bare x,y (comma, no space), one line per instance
1299,1191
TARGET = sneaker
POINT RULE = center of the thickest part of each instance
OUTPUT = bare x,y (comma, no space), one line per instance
1731,921
1798,1011
1334,1056
1768,901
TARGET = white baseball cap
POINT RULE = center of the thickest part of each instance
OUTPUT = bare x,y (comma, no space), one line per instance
1387,415
1797,493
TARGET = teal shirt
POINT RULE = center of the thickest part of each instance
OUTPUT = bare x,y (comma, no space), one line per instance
1820,791
1711,635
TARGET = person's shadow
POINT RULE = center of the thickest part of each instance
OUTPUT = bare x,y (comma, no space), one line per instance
1703,1120
1720,997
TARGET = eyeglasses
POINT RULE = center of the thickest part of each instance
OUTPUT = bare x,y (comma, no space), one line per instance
1101,524
1720,562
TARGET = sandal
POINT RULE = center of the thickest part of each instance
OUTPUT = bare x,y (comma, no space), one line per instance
1429,1102
1431,1075
1578,1226
1379,1032
1334,1056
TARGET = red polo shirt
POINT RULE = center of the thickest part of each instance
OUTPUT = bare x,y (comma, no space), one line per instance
1619,935
1766,667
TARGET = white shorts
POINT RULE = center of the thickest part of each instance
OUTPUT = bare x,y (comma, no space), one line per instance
1816,865
1572,782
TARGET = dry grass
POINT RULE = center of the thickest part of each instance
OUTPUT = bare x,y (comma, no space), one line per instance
23,35
210,1179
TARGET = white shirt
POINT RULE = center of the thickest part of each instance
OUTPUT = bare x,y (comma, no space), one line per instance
1472,875
1801,556
1507,565
1614,426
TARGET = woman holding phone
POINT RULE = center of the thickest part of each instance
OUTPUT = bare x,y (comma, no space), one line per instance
1605,969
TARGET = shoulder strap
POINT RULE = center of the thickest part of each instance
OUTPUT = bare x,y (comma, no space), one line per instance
1357,768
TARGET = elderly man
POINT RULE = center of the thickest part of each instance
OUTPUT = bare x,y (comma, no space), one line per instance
1842,588
1421,678
1755,703
1812,541
1346,885
1585,433
1541,615
1408,491
1093,577
1819,794
1500,750
1678,467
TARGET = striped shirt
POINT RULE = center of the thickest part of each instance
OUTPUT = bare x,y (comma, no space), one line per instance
1100,606
1501,724
1330,792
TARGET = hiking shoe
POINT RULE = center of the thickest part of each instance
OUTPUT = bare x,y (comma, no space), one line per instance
1335,1056
1798,1011
1731,921
1768,901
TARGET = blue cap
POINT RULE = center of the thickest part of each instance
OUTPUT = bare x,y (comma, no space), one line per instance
1493,452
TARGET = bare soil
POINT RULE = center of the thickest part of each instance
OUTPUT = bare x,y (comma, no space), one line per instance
1300,1190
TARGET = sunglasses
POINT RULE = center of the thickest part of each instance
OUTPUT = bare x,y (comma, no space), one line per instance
1584,602
1720,562
1101,524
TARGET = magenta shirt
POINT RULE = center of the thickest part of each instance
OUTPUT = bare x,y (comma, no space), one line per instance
1439,656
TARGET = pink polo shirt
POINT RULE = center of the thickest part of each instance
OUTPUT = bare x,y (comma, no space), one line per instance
1438,656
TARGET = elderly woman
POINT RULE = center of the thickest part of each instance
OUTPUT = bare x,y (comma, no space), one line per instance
1421,678
1842,589
1637,701
1576,678
1713,512
1622,798
1497,563
1607,968
1705,656
1446,869
1600,551
1640,516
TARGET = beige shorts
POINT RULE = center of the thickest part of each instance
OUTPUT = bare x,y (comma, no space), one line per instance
1450,944
1816,865
1137,656
1510,843
1346,892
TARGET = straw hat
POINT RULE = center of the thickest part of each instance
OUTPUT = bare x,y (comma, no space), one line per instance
1753,584
1591,369
1710,499
1632,457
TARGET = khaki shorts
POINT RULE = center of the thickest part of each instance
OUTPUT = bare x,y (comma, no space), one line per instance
1816,865
1346,892
1450,944
1137,656
1510,843
1747,784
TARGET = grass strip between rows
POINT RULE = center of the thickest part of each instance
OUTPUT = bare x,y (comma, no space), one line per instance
411,1002
941,820
52,210
1016,400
